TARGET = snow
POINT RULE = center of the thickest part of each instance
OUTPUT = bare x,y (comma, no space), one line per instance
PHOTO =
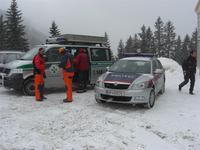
172,124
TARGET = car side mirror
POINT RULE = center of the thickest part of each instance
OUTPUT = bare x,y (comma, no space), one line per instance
158,71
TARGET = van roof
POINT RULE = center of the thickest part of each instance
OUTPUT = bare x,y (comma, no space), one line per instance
10,52
60,45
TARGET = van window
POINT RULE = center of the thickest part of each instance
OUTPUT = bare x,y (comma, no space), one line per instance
30,54
100,54
2,58
53,54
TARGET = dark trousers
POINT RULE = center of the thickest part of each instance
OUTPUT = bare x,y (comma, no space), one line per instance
82,80
188,77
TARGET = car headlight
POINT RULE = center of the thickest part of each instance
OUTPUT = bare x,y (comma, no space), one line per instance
99,83
140,86
16,71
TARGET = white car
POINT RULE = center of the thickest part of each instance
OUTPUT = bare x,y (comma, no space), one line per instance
6,57
132,80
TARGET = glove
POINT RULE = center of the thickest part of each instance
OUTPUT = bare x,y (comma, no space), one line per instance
44,75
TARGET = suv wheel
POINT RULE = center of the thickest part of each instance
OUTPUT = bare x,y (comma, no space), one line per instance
29,88
151,101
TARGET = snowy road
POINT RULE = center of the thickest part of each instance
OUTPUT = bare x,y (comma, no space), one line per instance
172,124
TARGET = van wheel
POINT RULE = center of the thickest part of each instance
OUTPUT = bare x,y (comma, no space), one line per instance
151,101
29,88
100,101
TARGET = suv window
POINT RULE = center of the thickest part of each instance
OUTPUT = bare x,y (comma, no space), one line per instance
2,59
11,57
53,54
100,54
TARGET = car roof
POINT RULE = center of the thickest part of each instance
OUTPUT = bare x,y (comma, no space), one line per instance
11,52
138,58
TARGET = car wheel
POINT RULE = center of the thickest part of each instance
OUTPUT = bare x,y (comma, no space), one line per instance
100,101
29,88
162,91
151,101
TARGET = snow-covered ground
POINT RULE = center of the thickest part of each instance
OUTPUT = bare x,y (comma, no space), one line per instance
172,124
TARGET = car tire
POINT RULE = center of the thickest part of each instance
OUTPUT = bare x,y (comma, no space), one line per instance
162,91
100,101
29,88
151,101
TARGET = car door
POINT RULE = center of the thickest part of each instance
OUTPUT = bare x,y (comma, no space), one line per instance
161,76
155,76
53,72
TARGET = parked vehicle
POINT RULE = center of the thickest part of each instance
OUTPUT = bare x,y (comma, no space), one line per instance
132,80
6,57
19,73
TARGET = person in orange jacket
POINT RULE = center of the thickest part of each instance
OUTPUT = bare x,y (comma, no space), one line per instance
67,66
39,74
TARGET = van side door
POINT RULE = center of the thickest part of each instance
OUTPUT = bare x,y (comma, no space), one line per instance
100,58
53,72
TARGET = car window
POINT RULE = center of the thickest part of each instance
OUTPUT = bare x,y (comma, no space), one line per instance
10,57
53,54
100,54
154,65
131,66
159,65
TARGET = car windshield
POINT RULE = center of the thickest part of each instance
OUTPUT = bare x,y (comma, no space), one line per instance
131,66
31,53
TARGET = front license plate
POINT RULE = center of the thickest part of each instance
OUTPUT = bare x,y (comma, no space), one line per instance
115,93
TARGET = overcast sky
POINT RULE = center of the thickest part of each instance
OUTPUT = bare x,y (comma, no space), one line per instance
119,18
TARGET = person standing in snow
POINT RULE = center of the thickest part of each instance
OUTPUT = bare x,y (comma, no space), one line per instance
189,70
82,66
66,63
39,74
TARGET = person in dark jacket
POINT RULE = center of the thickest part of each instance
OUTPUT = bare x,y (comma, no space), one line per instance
39,74
189,70
67,66
82,66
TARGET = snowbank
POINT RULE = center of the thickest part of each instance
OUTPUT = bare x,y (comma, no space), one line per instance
172,124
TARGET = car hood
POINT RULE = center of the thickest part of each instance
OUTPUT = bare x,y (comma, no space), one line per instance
19,64
126,77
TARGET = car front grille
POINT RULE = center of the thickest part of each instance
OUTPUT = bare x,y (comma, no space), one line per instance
116,98
116,86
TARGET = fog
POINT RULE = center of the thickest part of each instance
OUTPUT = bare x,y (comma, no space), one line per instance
119,18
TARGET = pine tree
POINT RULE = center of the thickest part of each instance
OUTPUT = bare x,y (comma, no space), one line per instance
54,31
107,44
178,57
136,44
143,37
159,36
149,41
186,47
120,48
15,29
170,36
129,45
193,42
2,33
